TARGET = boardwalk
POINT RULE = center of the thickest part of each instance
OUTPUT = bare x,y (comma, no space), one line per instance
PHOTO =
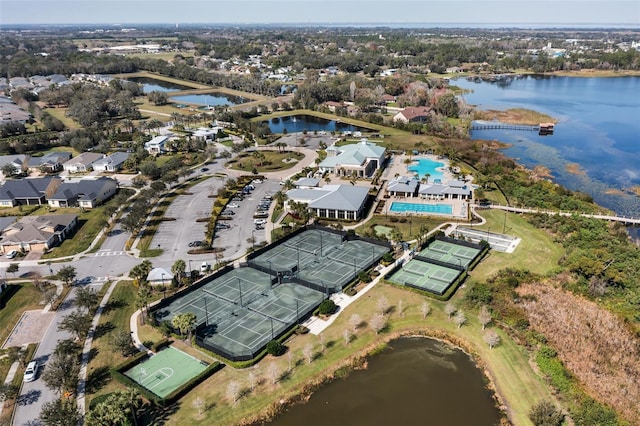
496,125
621,219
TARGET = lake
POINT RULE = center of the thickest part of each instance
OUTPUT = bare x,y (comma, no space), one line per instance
598,128
209,99
153,85
300,123
414,381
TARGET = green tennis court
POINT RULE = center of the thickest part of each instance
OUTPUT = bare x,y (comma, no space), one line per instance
425,276
166,371
449,252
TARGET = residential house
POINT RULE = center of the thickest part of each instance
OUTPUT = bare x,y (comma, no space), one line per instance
404,186
37,233
156,145
16,161
207,134
50,162
413,115
358,160
82,163
28,192
332,105
346,202
111,163
84,193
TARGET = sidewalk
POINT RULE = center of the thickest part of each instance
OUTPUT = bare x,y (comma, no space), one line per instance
10,375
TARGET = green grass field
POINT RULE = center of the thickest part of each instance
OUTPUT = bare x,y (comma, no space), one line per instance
23,296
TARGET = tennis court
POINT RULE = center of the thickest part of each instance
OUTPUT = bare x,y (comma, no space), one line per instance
426,276
166,371
321,257
449,252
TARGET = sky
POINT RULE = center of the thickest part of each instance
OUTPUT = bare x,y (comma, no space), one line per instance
469,12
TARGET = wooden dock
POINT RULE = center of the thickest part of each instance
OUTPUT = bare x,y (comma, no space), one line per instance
542,128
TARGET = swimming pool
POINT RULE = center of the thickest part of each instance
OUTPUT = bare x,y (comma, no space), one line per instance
426,165
399,207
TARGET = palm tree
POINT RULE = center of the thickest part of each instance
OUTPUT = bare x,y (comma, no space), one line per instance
184,322
178,269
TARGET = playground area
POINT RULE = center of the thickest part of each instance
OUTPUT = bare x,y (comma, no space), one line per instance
166,371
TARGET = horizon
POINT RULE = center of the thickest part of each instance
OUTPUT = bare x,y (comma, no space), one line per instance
542,13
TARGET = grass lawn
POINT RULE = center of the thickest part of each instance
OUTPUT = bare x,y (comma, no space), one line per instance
60,114
507,364
22,297
90,222
115,317
410,229
273,161
536,252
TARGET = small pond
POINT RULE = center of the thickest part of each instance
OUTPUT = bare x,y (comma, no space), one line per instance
153,85
414,381
210,99
300,123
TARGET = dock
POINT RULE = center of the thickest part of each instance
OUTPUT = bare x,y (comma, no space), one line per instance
542,128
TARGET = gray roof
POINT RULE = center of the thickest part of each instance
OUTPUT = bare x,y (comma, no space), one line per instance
25,188
355,154
307,182
403,184
115,159
333,197
86,159
36,229
84,189
437,189
159,274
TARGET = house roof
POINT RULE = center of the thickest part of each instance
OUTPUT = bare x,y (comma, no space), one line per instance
25,188
354,154
334,197
414,112
35,229
437,189
114,159
84,189
158,140
403,184
307,182
85,159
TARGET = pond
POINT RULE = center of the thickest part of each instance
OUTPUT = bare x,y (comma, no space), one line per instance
414,381
153,85
210,99
300,123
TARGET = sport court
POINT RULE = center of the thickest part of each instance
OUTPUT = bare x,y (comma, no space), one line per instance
447,252
321,257
425,276
498,242
166,371
242,310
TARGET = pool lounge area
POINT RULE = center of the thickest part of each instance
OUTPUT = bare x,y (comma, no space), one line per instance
402,207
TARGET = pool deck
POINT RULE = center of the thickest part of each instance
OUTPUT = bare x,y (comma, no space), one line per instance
399,167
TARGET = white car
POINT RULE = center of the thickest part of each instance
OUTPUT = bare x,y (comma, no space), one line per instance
233,205
11,254
31,372
259,222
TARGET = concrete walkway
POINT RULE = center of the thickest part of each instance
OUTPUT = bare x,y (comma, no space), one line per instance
86,350
10,375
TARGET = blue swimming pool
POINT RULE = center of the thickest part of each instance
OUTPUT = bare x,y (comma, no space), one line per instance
399,207
426,165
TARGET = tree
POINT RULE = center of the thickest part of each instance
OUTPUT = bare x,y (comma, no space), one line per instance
233,391
484,316
184,322
425,309
67,274
178,269
77,323
327,307
275,348
307,352
140,272
119,408
142,300
273,372
61,373
13,268
401,308
67,347
60,412
121,341
460,318
450,309
377,323
253,378
86,298
346,335
544,413
354,322
491,338
8,391
383,305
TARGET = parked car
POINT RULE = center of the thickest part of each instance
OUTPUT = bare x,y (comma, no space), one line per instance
220,226
256,181
227,212
205,267
261,214
259,221
31,373
204,169
237,198
259,227
233,205
11,254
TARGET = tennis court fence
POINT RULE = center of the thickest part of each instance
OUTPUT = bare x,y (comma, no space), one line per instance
439,263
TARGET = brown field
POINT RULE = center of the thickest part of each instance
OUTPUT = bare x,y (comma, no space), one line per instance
595,345
515,116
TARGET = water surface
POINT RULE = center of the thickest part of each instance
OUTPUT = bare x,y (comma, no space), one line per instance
153,85
300,123
415,381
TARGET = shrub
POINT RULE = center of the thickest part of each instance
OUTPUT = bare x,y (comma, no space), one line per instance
275,348
327,307
544,413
